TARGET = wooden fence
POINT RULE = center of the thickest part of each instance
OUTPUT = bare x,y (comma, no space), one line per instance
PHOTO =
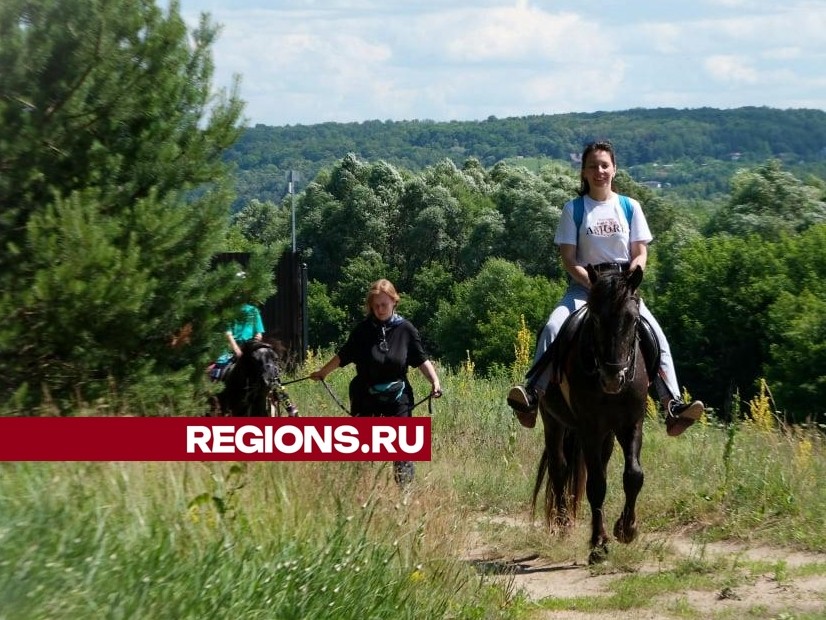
285,313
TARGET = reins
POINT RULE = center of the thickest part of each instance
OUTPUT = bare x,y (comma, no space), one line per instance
629,365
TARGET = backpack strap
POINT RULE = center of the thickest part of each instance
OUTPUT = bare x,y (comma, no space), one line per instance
625,201
579,211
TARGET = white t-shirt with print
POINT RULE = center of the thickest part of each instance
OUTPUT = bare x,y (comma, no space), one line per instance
604,236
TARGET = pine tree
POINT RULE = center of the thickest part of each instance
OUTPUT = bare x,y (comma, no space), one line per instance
114,200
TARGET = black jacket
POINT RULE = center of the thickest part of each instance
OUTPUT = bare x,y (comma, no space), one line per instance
382,352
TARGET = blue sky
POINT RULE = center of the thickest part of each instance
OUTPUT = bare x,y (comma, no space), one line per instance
313,61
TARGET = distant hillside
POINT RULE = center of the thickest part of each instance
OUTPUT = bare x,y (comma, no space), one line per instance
650,141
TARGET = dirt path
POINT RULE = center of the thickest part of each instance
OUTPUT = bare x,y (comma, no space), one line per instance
798,592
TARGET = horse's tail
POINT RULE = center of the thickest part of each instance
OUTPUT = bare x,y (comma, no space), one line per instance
562,469
542,475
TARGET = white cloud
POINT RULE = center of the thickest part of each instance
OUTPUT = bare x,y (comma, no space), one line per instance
663,38
512,34
309,61
731,69
783,53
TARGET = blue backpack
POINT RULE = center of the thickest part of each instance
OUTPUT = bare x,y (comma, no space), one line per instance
579,211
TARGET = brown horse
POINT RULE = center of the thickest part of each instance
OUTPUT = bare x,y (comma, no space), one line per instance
601,396
252,384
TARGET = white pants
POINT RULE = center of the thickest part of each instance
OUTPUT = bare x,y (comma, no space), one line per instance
574,298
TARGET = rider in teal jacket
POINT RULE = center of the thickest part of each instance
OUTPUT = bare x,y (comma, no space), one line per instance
248,326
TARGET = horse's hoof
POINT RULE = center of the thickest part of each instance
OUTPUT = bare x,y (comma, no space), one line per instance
598,555
625,533
561,526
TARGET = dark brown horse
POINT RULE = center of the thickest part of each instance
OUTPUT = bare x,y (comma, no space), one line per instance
252,385
601,396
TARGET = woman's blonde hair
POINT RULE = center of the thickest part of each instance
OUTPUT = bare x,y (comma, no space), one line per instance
377,288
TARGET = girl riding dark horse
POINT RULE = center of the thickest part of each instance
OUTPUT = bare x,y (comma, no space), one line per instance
600,396
252,384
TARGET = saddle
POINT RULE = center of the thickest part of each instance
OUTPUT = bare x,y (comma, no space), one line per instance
218,372
557,356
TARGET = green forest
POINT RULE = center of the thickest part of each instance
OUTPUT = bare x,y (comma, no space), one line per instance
124,174
693,152
739,292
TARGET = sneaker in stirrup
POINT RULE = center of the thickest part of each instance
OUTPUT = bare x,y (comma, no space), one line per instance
523,401
679,416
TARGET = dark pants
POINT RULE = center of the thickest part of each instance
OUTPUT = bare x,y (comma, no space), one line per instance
364,404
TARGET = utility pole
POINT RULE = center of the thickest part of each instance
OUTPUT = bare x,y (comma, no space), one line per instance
292,204
299,282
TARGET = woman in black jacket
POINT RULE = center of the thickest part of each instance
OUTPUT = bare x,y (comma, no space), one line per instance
383,346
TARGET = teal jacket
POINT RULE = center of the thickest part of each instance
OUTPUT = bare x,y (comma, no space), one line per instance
244,328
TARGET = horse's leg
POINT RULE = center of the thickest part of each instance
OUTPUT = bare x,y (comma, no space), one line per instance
280,397
222,406
567,472
260,403
595,489
546,471
557,461
559,470
630,439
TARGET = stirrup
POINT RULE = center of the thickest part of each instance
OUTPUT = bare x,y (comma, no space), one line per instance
679,416
526,418
686,411
522,399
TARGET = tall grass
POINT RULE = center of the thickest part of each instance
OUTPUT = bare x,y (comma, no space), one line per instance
131,540
338,540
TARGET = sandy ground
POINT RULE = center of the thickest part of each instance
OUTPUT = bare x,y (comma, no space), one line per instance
762,597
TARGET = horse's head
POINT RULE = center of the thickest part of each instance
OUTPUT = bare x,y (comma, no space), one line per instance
260,361
614,310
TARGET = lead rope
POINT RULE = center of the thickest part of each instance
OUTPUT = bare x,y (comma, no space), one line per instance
335,398
428,398
296,380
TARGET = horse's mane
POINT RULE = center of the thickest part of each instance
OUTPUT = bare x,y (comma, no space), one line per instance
277,347
275,344
610,291
248,346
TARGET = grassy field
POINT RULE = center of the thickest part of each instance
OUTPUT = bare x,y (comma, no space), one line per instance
339,540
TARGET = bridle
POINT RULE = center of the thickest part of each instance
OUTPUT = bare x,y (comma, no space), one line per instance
625,369
256,383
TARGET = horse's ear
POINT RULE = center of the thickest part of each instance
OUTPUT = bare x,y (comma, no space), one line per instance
592,273
635,278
